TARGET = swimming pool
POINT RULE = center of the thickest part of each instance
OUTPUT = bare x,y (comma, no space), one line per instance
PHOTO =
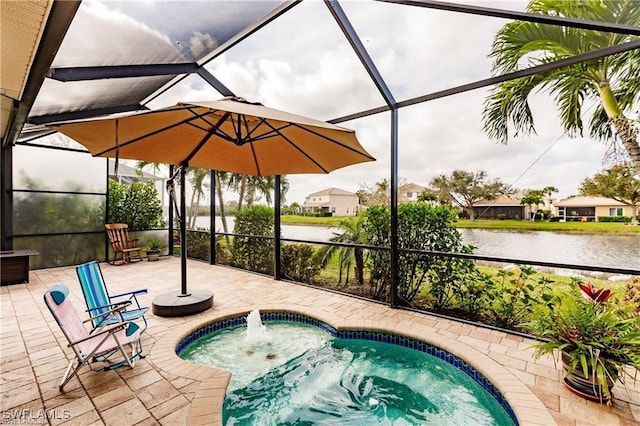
350,376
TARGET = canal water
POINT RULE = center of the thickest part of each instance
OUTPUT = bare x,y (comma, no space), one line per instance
606,250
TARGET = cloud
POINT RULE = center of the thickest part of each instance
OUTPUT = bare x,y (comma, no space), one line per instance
302,63
201,43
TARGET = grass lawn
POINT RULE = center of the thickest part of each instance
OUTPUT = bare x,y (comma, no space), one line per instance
308,220
563,282
570,227
512,225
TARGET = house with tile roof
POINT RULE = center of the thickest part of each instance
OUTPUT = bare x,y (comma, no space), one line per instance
588,209
501,207
410,192
332,202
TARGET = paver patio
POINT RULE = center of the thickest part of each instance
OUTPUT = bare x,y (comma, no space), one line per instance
163,389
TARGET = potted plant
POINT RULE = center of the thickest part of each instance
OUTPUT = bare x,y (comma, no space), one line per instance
597,335
153,247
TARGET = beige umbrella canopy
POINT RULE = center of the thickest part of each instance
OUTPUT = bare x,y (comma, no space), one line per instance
230,135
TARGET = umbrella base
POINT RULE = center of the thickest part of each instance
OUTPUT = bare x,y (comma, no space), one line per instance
180,305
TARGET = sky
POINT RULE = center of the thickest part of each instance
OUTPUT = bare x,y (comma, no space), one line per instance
290,66
302,63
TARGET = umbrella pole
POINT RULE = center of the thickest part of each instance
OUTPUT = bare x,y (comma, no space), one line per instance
178,305
183,231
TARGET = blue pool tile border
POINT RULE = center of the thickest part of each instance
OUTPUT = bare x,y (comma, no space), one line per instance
376,336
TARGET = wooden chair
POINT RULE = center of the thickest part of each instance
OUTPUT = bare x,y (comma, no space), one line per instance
122,246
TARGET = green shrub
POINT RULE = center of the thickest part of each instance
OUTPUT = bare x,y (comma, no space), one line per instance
249,252
300,262
514,295
624,219
198,244
420,227
378,233
137,205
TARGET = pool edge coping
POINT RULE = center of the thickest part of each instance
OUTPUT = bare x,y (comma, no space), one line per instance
209,397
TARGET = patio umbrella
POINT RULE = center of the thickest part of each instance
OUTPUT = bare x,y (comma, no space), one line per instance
230,135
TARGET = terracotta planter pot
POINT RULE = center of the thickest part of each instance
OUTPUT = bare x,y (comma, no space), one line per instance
587,387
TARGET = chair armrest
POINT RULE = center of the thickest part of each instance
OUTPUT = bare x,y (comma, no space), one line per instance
134,292
122,307
108,329
110,305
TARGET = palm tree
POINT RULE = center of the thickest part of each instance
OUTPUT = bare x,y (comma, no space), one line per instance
249,186
549,191
237,182
352,233
613,82
222,178
531,198
197,179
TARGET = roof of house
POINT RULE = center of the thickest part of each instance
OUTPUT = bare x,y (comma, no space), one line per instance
128,174
500,200
412,187
582,201
331,191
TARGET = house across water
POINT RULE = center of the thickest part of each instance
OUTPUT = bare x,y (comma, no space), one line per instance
589,209
332,202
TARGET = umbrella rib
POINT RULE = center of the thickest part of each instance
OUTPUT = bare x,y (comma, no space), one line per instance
333,141
123,144
198,148
261,121
215,128
320,166
277,131
255,159
216,131
207,137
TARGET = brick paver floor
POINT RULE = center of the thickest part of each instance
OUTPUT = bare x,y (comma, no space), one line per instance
163,389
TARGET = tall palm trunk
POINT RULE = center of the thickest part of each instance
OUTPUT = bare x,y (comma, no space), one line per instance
193,211
358,254
223,217
243,187
622,125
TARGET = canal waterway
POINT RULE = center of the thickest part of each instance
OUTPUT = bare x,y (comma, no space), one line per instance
604,250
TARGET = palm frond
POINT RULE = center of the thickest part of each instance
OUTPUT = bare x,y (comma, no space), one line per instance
519,45
599,127
508,103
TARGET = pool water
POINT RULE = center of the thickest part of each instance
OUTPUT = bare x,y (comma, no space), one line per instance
302,375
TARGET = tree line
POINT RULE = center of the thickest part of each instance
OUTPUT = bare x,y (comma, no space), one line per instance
462,189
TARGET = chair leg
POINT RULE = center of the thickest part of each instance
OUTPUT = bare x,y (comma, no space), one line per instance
139,254
115,258
66,377
128,360
85,360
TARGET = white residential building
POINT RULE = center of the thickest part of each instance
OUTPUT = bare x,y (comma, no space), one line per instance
588,209
336,201
410,192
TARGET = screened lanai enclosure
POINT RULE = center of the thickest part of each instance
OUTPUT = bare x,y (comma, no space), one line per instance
412,79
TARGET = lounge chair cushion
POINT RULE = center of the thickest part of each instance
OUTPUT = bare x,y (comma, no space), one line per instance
59,293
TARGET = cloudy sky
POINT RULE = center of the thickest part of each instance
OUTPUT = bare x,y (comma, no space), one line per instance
302,63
